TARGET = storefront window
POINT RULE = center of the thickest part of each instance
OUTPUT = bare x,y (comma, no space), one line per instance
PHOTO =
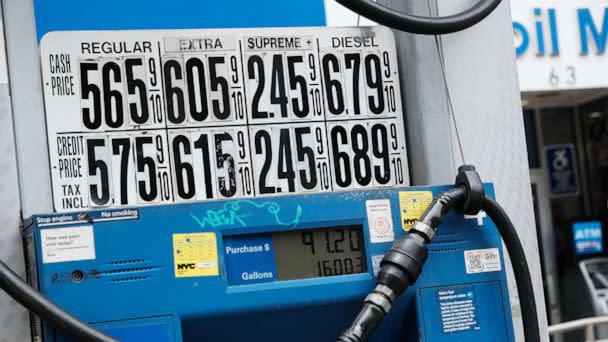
595,122
558,128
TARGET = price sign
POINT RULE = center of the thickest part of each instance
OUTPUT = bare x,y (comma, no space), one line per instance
152,117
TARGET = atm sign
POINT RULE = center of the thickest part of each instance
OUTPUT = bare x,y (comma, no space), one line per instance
588,237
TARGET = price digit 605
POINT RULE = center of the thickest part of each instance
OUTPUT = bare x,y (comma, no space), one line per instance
189,96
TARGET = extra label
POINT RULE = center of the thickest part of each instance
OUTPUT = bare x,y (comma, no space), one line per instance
154,117
67,244
195,255
482,260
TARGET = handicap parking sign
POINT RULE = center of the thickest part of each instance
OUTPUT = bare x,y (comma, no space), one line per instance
561,164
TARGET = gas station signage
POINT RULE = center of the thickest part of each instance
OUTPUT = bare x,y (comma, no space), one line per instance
562,170
560,44
588,237
151,117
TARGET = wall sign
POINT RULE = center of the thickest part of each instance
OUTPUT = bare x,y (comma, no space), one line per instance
560,44
150,117
588,237
561,163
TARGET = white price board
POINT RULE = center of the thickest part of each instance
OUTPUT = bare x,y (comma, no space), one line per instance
164,116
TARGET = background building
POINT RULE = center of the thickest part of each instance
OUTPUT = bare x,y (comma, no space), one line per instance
500,157
563,76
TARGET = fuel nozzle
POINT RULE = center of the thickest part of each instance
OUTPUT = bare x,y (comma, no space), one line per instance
399,268
403,262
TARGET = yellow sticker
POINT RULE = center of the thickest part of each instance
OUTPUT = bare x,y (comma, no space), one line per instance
412,204
195,255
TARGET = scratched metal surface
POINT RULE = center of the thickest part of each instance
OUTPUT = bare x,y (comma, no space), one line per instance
14,320
481,76
485,93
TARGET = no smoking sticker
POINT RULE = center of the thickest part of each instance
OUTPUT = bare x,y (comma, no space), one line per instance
380,220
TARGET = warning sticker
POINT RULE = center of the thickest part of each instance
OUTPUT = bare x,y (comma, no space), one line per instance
482,260
380,220
195,255
67,244
412,204
457,309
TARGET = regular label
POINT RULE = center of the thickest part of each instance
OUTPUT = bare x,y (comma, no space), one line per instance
380,220
163,116
482,260
195,255
67,244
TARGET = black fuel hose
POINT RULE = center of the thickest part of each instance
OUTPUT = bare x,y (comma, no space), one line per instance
47,310
400,267
373,312
403,262
520,267
418,24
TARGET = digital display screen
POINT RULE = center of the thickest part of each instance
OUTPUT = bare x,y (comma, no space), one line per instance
319,252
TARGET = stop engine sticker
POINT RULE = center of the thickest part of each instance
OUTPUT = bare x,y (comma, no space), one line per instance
163,116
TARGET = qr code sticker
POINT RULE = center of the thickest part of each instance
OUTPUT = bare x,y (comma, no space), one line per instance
376,259
475,264
482,260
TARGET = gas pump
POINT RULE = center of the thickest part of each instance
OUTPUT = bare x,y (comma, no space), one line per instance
252,184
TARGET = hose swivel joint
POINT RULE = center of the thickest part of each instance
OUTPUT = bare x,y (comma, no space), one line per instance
469,179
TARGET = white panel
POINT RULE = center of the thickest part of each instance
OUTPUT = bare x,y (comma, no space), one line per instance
483,86
12,314
27,105
257,107
338,15
14,319
555,56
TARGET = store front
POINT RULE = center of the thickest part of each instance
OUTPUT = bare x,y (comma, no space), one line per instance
563,75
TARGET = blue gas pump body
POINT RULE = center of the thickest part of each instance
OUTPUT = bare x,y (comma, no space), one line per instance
134,287
131,288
